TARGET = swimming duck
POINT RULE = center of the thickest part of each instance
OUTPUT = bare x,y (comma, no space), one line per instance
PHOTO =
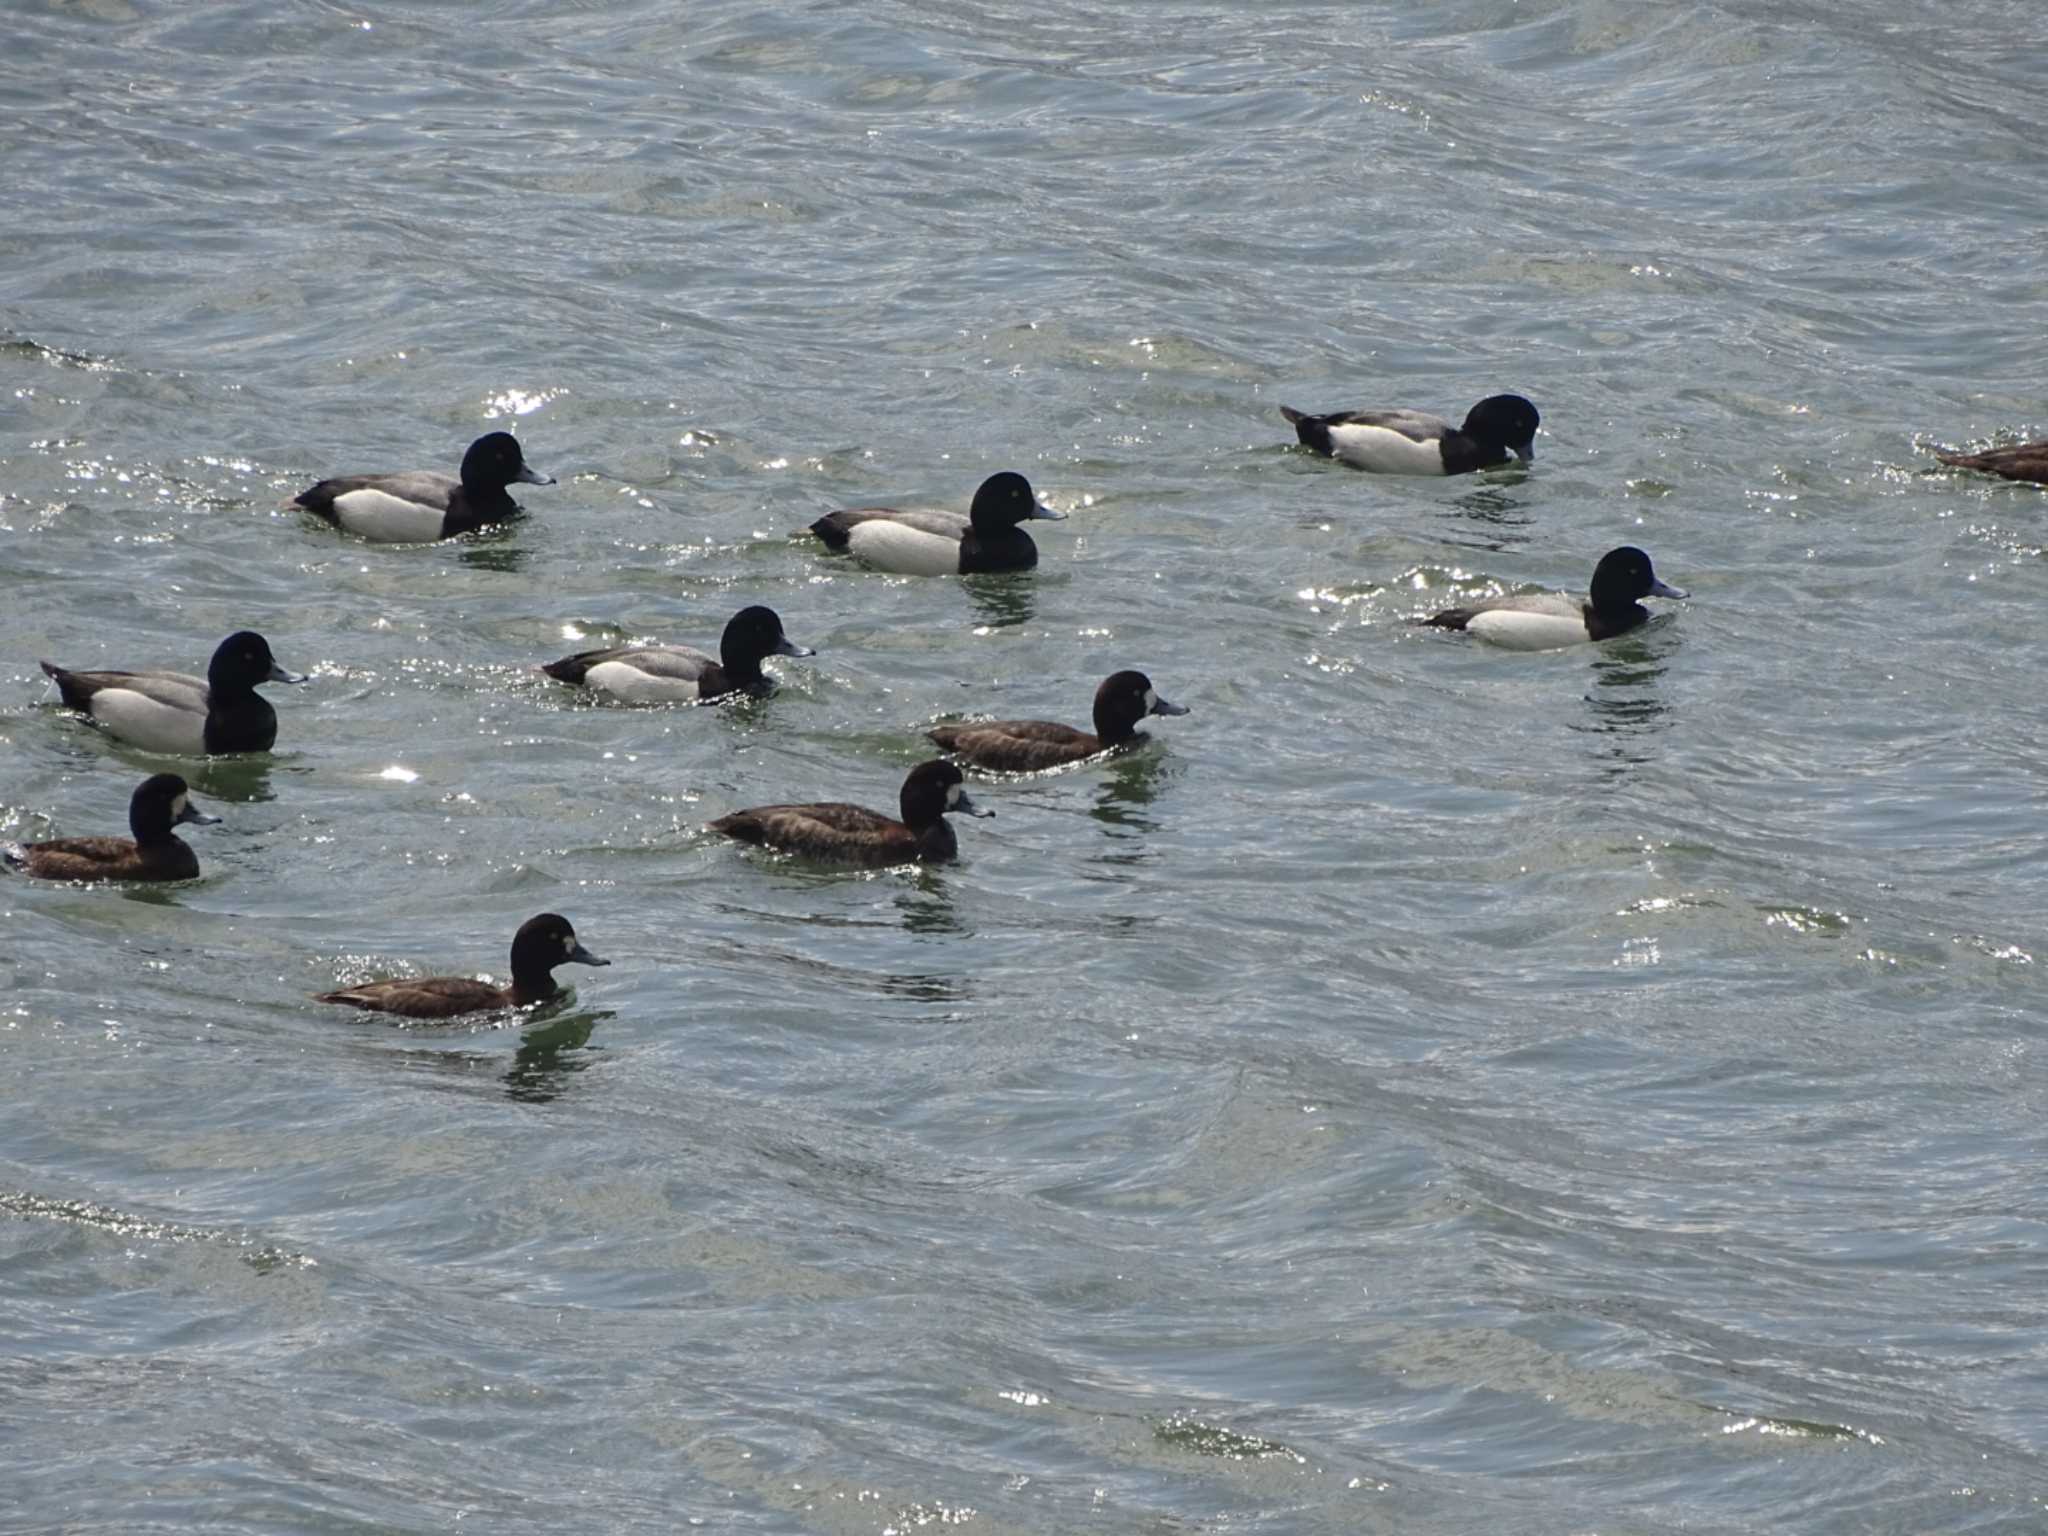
177,713
1021,746
160,803
851,834
676,674
541,944
1401,442
417,506
1544,621
944,543
2022,461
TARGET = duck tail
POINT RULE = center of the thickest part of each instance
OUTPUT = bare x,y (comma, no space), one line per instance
570,669
836,528
741,826
1314,431
68,684
1450,618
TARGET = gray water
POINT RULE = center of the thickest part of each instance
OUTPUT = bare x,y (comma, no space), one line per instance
1426,1089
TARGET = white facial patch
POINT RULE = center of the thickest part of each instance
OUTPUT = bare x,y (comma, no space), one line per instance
1151,699
953,793
178,807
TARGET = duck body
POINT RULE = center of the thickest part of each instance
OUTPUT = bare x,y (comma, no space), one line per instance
154,853
838,833
182,715
679,674
420,506
2022,461
931,543
1548,621
1498,429
541,944
1027,746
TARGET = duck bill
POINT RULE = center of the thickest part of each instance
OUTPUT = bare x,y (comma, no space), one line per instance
1665,589
1168,707
279,675
528,475
581,956
967,807
1526,453
784,646
1044,513
192,816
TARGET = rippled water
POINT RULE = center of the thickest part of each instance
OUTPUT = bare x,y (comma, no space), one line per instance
1427,1089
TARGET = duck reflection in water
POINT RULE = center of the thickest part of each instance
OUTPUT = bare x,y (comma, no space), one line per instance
1627,703
1003,602
549,1054
1496,508
494,551
550,1050
926,905
237,780
1130,782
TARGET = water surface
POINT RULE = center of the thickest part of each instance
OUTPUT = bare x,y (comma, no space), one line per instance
1426,1089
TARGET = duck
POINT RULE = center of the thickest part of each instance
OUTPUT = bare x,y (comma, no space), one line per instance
1545,621
925,543
837,833
677,674
1403,442
1023,746
160,803
419,506
179,714
541,944
2021,461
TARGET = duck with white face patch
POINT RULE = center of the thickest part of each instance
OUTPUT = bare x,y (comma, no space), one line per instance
834,832
1026,746
160,803
542,943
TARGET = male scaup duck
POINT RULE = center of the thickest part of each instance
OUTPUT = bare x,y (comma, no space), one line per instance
2021,461
676,674
541,944
944,543
175,712
1544,621
851,834
418,506
1021,746
1400,442
159,803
